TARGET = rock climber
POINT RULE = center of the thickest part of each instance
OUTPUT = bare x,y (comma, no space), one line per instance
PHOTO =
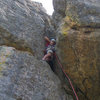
49,52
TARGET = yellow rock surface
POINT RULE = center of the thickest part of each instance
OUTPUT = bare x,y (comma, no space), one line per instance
79,52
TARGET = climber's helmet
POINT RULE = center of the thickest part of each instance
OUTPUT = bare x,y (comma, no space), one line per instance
53,42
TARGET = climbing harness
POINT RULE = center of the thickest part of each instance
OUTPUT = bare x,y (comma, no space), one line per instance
66,76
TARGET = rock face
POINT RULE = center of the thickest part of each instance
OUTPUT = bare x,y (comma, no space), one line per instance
22,25
23,76
59,10
78,45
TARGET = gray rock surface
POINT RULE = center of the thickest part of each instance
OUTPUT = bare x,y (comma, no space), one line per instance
81,12
59,11
23,77
22,25
84,12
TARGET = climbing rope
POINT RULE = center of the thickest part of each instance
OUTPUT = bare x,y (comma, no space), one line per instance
67,77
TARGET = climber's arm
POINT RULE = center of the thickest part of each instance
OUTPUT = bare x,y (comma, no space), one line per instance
47,39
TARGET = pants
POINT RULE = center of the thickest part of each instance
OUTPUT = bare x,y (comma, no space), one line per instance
51,63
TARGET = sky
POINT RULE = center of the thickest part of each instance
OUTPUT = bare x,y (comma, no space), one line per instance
47,4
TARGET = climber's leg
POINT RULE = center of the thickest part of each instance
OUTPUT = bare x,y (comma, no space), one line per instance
51,65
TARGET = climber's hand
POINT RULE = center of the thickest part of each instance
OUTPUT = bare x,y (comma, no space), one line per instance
47,39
